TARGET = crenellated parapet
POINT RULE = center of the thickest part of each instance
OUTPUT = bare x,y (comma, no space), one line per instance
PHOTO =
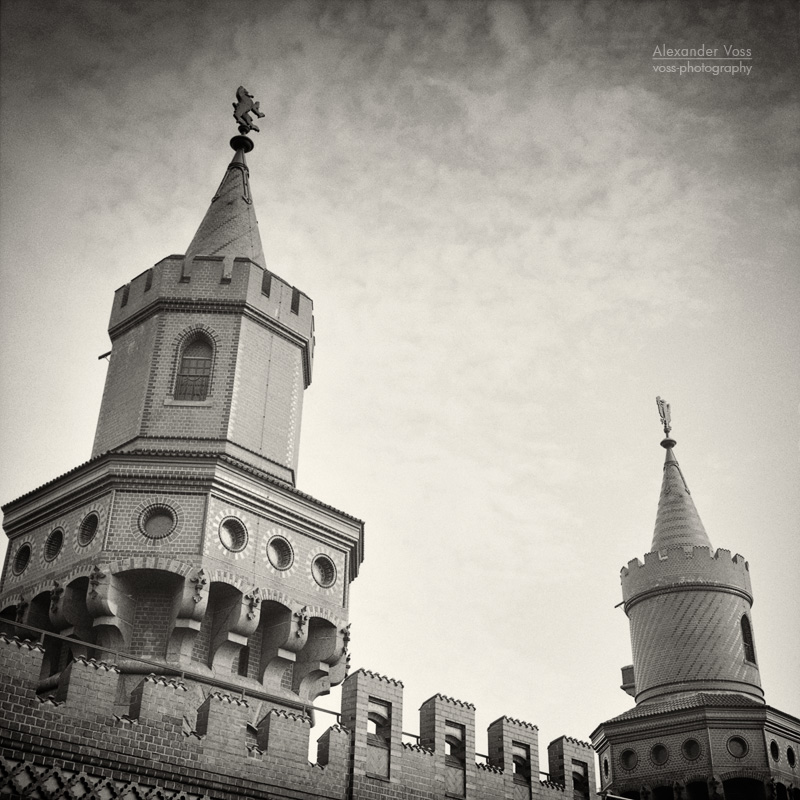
162,730
572,761
219,284
683,568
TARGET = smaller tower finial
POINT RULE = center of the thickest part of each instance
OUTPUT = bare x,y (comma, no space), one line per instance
242,109
666,420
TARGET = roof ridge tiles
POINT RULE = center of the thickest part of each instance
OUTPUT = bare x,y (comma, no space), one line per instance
520,722
377,676
454,701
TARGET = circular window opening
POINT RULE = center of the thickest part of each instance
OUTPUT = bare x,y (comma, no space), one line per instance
53,545
659,754
737,747
21,559
279,553
628,759
158,522
88,529
233,534
691,749
790,756
324,571
774,750
605,767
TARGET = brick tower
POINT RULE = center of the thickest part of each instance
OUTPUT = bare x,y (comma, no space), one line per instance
183,540
170,609
700,728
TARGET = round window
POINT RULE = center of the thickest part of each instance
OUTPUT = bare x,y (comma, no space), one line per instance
691,749
21,559
158,522
53,545
324,571
88,528
774,750
605,767
628,759
279,553
737,747
790,756
659,754
233,534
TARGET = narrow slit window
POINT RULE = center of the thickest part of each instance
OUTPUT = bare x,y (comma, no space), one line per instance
747,640
194,373
521,759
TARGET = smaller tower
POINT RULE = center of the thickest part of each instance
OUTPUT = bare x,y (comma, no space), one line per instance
688,605
700,728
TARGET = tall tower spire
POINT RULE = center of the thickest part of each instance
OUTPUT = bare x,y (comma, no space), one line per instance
230,227
677,520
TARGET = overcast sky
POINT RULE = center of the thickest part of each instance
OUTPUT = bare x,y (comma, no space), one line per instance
516,234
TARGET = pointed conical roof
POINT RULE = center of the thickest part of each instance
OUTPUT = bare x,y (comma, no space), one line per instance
229,227
677,521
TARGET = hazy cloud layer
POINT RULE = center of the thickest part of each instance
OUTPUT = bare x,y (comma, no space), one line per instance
515,234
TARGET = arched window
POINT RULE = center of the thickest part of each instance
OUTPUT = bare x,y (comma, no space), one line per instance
194,372
747,640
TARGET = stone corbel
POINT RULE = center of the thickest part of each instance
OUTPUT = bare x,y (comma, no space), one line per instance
190,607
109,608
69,615
341,668
315,669
20,609
284,635
232,633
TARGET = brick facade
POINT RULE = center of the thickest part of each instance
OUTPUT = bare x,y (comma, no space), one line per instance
172,735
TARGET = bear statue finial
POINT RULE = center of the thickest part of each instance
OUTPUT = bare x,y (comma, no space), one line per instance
241,111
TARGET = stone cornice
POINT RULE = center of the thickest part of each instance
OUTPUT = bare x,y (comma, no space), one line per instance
212,473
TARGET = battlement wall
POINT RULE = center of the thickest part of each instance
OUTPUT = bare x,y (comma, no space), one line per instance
222,279
175,736
685,567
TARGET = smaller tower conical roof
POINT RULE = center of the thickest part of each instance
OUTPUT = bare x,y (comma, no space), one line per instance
230,227
677,522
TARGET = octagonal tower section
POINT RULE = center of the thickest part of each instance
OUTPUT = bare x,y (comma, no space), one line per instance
211,352
183,545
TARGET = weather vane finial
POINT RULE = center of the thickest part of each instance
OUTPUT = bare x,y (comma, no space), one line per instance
663,410
241,111
666,421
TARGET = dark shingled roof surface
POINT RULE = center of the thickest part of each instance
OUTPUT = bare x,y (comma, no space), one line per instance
687,701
